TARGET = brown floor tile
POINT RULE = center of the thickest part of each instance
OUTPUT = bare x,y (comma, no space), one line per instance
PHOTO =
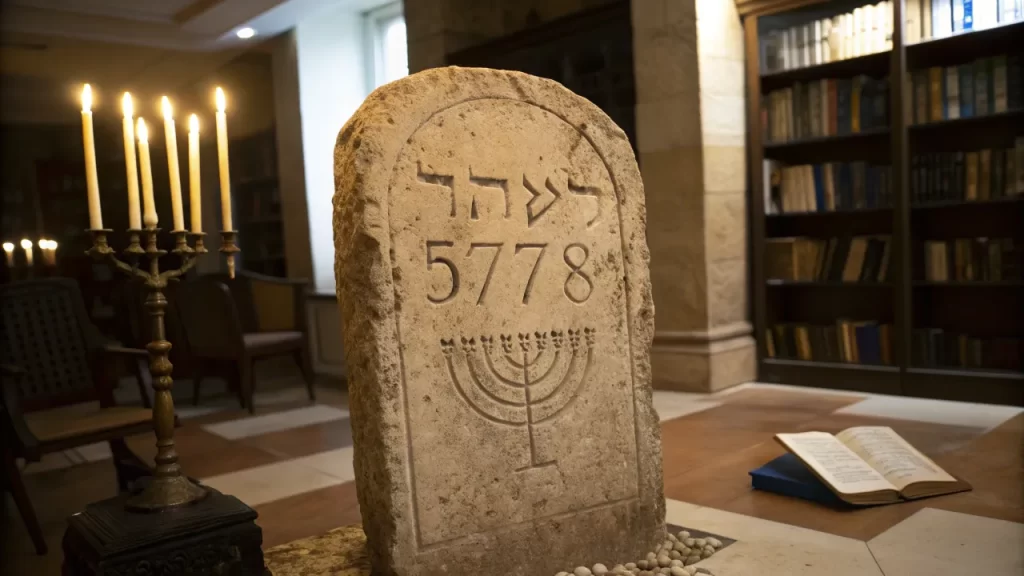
308,514
202,454
303,441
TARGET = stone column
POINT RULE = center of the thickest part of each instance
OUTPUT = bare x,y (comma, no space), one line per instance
691,135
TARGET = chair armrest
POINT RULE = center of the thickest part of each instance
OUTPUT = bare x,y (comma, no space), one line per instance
10,410
125,352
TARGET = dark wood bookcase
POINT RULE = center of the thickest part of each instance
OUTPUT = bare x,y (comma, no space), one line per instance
987,309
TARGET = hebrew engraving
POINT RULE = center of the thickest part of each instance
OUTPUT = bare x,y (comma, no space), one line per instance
524,380
543,199
590,192
446,180
486,182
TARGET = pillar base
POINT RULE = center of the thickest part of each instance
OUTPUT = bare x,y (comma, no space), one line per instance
699,361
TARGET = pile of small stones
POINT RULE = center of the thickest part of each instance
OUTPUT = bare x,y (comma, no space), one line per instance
675,557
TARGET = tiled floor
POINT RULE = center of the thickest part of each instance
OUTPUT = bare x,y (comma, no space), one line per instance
292,462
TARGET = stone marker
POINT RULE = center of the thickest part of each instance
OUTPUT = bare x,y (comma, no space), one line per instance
492,274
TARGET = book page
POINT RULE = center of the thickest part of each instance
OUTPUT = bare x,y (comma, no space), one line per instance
892,456
835,463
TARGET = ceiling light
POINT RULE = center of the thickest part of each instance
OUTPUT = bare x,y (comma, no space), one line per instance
245,33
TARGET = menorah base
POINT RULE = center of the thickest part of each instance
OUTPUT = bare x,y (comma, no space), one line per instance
215,536
167,492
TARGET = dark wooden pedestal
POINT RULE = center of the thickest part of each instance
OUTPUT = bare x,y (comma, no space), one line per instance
215,536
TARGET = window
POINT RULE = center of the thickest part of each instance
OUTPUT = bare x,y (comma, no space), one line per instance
388,51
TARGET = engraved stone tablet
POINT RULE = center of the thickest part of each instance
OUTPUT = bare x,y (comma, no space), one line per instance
492,275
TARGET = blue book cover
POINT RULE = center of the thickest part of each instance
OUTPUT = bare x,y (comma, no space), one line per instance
966,90
869,350
819,187
788,476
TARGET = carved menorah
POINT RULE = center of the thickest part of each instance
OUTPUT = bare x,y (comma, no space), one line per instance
523,380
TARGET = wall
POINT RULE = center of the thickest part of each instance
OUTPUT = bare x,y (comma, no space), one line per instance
332,85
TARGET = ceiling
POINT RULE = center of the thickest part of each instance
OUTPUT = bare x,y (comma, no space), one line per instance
48,48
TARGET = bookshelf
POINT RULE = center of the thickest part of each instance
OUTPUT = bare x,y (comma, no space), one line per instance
258,204
932,195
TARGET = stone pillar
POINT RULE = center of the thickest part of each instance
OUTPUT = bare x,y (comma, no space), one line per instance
691,135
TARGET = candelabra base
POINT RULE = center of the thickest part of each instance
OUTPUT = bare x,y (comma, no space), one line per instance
215,536
167,492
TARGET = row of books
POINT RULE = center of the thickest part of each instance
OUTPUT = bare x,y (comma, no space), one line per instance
934,347
828,107
846,341
967,176
927,19
979,88
825,187
865,30
856,259
972,259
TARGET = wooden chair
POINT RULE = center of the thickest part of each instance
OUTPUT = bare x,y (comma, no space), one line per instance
241,320
56,391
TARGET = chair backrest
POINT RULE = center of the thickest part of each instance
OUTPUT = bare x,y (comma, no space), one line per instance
240,288
267,303
209,317
47,333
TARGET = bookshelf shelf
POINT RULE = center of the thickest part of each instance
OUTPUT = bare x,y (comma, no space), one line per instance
965,46
971,284
876,64
932,166
826,285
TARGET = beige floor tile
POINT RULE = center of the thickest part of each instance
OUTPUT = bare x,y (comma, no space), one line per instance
276,422
940,542
764,547
985,416
271,482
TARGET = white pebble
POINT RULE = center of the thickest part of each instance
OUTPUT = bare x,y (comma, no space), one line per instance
675,554
678,571
691,570
562,573
618,569
630,565
683,535
714,542
704,571
651,556
599,569
642,564
700,542
691,560
672,537
664,560
690,542
676,562
582,571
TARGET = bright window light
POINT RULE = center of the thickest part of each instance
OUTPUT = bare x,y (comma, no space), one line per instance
388,51
245,33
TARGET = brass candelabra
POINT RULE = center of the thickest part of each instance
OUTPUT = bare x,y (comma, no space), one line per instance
169,487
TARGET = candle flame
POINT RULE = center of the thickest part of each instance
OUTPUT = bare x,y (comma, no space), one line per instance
168,111
53,244
8,247
142,131
193,124
126,105
87,98
26,243
221,101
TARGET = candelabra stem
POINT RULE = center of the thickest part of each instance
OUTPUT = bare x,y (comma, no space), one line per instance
169,487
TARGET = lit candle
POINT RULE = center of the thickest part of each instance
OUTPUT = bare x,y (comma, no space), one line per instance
222,158
148,204
172,165
9,253
131,171
195,203
53,252
91,181
26,245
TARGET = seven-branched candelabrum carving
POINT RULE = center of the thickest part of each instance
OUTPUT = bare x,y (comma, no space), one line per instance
168,487
524,380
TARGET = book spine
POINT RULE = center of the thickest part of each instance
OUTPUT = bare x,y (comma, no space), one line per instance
1000,102
982,88
935,94
966,90
942,18
1014,98
971,176
984,174
952,107
913,20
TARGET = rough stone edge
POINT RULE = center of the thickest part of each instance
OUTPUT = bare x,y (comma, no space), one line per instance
378,130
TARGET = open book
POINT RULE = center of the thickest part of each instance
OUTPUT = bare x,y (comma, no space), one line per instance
869,465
